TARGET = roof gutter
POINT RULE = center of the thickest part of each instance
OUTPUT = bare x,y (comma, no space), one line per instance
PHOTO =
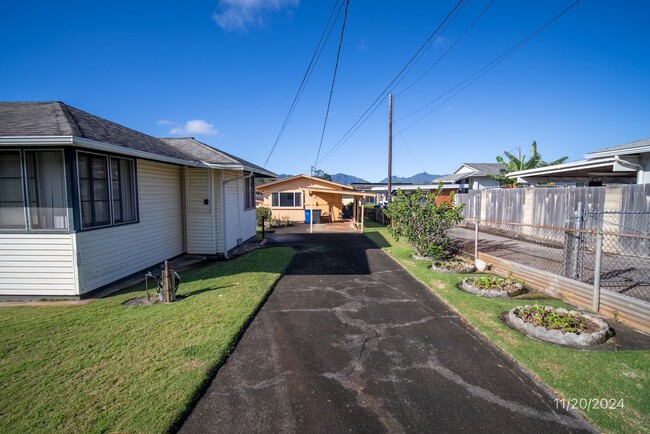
224,166
46,141
107,147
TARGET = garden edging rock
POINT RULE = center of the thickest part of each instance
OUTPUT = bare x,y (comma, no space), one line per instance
556,336
497,293
469,268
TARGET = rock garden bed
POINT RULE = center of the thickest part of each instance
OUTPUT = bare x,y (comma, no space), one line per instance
559,325
457,266
492,286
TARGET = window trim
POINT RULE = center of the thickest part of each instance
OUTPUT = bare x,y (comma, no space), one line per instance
110,191
22,186
249,183
294,206
23,183
135,191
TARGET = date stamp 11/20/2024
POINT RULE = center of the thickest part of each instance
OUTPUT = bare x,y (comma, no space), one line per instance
589,403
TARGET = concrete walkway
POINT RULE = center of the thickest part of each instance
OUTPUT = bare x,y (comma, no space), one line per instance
350,342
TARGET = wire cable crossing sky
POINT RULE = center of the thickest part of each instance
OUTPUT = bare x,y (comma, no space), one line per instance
471,79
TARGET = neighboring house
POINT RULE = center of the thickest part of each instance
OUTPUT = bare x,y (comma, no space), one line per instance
623,164
85,202
377,189
471,176
289,198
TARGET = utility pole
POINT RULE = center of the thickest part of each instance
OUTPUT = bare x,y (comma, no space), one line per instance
390,147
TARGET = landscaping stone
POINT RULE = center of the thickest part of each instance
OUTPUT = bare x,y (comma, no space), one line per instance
556,336
516,290
455,266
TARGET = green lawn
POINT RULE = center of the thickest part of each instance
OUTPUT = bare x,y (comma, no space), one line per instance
572,374
105,367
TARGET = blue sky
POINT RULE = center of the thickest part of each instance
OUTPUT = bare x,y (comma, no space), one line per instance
226,71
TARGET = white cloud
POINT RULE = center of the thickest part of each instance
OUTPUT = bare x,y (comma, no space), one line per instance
195,127
441,43
362,46
164,122
240,15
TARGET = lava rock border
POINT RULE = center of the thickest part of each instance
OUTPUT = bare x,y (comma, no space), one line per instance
556,336
493,293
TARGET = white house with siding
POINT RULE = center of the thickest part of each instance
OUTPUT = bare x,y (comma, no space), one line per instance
85,202
471,176
628,163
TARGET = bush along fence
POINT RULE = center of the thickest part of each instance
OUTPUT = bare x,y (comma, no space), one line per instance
599,260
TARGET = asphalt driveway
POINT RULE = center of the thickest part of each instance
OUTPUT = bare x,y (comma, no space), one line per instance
350,342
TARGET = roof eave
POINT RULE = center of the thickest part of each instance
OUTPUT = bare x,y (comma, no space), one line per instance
225,166
108,147
615,152
36,140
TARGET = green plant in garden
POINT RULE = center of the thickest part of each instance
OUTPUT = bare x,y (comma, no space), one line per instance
423,221
490,282
263,213
551,319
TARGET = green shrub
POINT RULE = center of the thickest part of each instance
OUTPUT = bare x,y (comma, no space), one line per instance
263,212
424,223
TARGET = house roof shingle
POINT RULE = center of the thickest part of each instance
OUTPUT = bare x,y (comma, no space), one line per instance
624,149
41,119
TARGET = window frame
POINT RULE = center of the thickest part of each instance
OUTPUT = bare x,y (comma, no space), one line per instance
23,176
249,193
109,171
294,206
136,216
25,193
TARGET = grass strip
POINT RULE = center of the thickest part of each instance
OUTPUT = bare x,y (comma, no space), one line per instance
106,367
573,374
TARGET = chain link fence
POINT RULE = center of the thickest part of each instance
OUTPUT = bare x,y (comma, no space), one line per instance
608,248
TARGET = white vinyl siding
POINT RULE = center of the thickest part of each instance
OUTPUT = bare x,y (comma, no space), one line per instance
109,254
201,237
37,264
239,223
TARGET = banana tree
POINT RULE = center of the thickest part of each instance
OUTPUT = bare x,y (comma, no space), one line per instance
515,164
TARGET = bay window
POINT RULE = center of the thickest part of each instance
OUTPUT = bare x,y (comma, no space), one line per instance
12,208
33,190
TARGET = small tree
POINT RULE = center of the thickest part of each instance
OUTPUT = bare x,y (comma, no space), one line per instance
515,164
263,213
322,175
424,223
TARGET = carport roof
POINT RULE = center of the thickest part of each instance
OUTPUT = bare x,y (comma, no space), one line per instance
343,192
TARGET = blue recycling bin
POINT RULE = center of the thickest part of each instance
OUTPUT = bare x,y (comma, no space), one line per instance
316,216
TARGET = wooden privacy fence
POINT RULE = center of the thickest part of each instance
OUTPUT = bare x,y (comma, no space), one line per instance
556,207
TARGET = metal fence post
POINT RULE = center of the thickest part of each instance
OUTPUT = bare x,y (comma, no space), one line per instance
476,239
577,245
599,259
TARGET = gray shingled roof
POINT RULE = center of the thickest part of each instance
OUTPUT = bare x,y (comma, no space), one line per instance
38,119
197,150
485,168
624,147
480,169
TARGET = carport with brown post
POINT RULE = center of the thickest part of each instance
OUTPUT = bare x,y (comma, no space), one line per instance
358,203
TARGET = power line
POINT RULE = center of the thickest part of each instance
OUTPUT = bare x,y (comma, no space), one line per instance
308,72
484,70
408,148
375,104
449,49
336,67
